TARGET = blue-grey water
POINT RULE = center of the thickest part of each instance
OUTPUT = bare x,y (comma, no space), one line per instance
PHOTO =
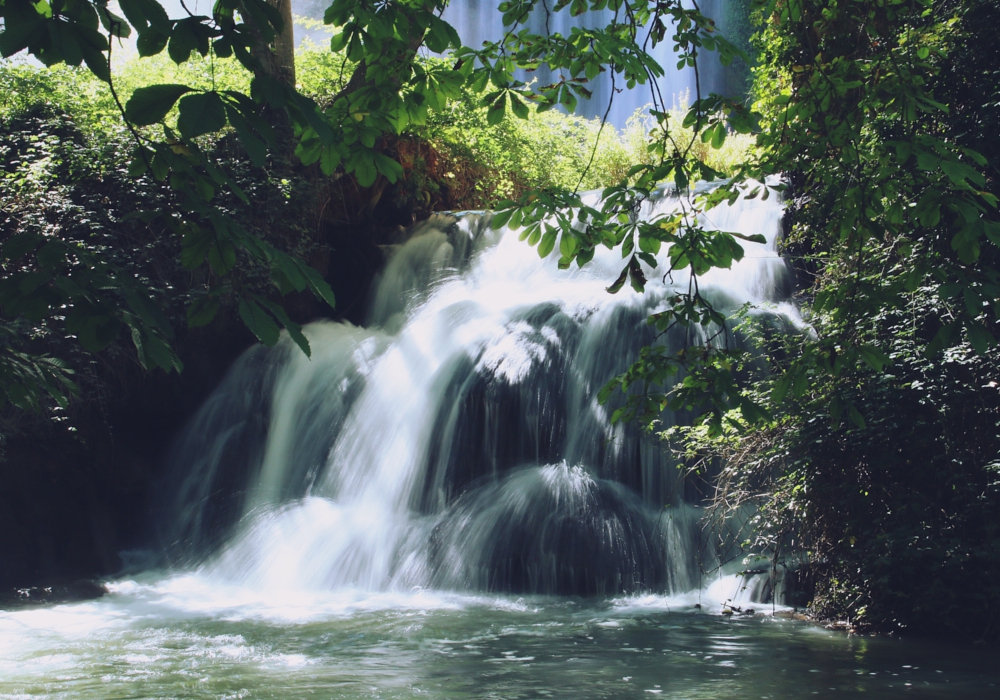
182,638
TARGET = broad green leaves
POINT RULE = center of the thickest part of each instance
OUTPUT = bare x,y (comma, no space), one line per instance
201,113
389,93
150,105
69,36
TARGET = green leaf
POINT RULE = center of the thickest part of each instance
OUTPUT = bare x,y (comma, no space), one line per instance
719,135
149,312
501,218
636,277
754,238
150,105
188,34
194,247
19,244
780,389
155,349
364,168
288,274
294,329
93,329
264,88
113,24
17,37
648,259
567,244
222,256
255,148
392,170
855,416
329,159
65,38
158,166
201,113
980,338
752,412
339,41
259,322
620,282
959,173
944,338
202,310
548,241
151,42
874,357
146,13
318,285
494,115
518,107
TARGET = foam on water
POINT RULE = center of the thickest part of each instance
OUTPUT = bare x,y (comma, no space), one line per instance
188,636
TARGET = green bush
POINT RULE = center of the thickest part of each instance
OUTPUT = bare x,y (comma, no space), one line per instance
878,464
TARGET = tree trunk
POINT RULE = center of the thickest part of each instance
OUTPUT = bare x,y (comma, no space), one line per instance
277,59
284,43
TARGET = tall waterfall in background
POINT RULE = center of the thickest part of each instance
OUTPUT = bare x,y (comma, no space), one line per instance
479,20
456,441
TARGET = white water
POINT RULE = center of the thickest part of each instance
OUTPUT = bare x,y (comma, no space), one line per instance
456,443
188,637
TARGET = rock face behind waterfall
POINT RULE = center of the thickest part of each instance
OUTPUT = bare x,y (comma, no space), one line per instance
456,441
553,529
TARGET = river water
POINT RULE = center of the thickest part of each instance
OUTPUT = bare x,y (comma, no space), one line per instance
187,637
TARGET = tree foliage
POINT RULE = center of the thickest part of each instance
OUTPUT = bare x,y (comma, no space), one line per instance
388,91
879,462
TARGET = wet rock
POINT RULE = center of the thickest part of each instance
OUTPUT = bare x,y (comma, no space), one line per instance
44,595
791,615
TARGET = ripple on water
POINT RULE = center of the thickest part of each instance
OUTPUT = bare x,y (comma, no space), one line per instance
178,637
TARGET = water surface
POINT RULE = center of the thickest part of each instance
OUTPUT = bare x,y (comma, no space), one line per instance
185,637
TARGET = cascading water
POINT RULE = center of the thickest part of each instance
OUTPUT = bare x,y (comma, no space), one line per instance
456,442
366,523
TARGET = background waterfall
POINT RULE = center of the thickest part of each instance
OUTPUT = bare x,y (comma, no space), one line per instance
456,441
480,20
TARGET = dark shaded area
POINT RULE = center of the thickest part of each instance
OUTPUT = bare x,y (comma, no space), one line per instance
220,451
550,530
79,486
907,510
901,514
496,414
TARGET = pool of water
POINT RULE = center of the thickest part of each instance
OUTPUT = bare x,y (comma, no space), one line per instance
186,637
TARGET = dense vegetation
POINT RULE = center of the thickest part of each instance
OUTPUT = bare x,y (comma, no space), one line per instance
872,445
67,155
879,461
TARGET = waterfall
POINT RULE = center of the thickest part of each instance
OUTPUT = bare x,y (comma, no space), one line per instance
456,441
480,20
